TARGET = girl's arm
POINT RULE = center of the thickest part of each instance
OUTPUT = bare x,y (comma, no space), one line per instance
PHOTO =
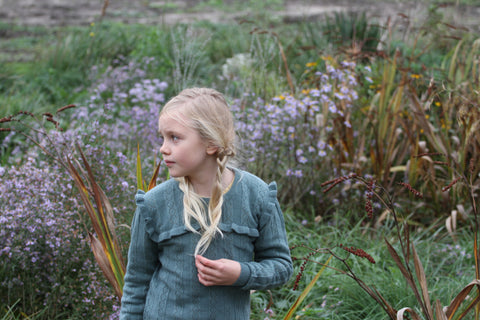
142,262
272,265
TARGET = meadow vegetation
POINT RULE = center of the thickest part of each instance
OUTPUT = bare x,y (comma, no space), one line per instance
370,130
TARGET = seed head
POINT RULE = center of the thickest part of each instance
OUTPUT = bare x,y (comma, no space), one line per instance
332,183
454,182
65,108
359,253
416,193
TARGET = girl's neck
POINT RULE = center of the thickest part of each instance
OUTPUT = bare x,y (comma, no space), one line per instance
204,189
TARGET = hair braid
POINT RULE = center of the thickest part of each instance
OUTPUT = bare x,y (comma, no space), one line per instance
214,208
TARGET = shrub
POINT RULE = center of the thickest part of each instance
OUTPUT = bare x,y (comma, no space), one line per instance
293,138
43,240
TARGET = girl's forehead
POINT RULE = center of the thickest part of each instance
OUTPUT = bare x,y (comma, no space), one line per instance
172,119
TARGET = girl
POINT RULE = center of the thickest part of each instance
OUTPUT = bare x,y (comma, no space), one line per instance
202,241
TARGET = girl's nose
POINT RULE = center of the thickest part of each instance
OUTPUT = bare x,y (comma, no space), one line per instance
164,148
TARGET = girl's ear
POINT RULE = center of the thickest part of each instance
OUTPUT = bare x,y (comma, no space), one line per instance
212,149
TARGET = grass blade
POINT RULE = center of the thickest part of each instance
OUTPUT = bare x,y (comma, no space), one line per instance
305,292
139,171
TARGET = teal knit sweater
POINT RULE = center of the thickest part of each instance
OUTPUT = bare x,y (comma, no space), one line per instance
161,279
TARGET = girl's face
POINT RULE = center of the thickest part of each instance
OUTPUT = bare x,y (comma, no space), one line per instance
184,151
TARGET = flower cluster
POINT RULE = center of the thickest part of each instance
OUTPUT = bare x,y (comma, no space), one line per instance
42,235
124,107
289,137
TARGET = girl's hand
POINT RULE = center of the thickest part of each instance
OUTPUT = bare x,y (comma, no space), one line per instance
221,272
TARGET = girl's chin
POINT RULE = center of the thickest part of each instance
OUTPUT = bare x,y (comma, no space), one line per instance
174,174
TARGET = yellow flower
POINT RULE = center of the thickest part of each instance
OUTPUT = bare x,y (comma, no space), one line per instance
416,76
306,91
327,58
438,103
427,116
311,64
281,97
92,34
92,24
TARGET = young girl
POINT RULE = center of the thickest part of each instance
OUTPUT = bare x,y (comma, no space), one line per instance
202,241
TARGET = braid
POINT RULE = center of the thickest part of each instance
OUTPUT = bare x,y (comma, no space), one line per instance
214,208
194,206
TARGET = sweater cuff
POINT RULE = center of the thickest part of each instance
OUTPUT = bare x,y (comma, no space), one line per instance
244,275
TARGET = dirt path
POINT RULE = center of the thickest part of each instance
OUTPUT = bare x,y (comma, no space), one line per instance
82,12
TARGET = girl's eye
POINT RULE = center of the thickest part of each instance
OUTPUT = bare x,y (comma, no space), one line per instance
174,138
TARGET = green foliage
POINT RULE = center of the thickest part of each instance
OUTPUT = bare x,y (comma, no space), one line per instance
353,33
59,71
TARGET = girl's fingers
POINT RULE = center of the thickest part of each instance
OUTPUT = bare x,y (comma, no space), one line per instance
217,272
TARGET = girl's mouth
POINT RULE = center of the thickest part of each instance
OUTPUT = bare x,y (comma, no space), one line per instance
169,163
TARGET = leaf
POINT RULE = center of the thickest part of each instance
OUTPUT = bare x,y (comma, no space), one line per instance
111,229
457,301
305,292
104,263
451,224
408,276
439,311
83,192
425,125
398,169
423,281
153,180
476,255
139,170
399,263
401,312
103,229
388,308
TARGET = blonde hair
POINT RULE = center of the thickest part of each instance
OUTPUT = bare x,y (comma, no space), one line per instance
206,111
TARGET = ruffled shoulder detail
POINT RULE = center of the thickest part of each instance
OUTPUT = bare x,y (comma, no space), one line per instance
269,203
163,236
233,227
272,191
140,197
158,208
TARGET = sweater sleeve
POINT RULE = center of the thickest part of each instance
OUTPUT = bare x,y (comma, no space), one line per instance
142,262
272,265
